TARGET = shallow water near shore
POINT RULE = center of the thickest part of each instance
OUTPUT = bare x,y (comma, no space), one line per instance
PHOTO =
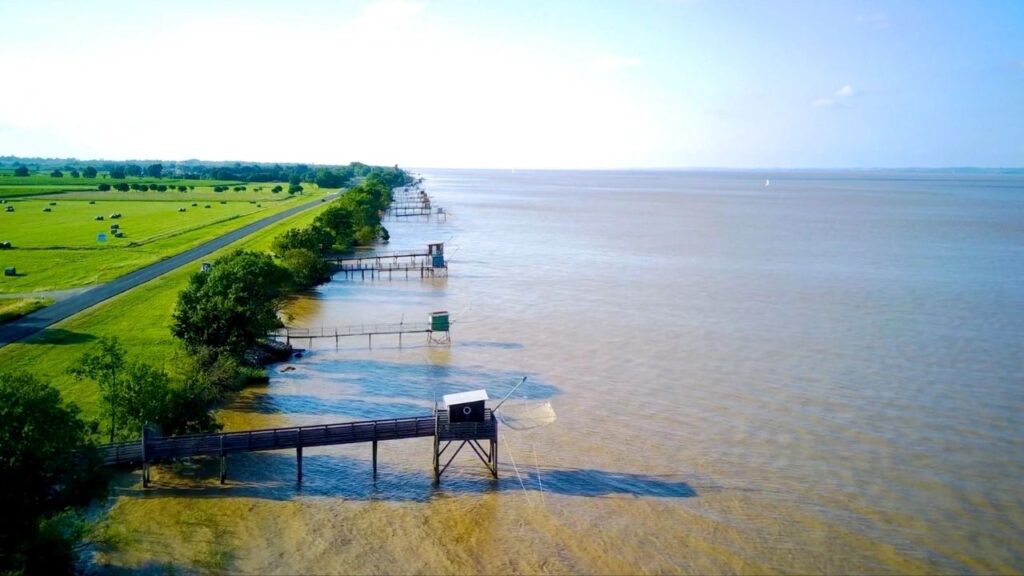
821,375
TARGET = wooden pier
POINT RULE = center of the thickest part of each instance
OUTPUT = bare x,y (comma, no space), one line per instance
433,331
153,449
428,263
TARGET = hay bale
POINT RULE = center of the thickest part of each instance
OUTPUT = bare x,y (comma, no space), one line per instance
47,210
195,204
5,245
98,218
115,226
10,271
207,206
181,209
9,209
53,203
92,201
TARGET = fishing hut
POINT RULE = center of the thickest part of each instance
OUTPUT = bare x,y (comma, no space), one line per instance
440,328
465,421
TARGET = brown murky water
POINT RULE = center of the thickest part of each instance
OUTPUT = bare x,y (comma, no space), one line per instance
824,375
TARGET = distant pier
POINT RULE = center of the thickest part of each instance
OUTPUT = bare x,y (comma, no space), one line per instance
428,263
437,331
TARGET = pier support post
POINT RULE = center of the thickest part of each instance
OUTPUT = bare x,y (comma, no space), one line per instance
223,461
437,446
145,463
494,455
374,459
298,464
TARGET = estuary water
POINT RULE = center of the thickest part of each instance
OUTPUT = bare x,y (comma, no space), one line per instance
821,375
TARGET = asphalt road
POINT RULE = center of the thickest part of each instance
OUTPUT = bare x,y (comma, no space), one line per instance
40,319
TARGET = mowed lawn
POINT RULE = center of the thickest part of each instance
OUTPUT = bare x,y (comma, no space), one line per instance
62,248
141,318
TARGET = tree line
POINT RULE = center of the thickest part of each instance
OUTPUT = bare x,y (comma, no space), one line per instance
49,464
325,176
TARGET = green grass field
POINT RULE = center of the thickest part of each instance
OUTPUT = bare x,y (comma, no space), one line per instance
141,317
14,186
60,249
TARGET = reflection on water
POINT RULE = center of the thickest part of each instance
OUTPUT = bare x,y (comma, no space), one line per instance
823,377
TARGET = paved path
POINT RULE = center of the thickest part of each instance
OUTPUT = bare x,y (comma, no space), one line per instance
55,295
36,321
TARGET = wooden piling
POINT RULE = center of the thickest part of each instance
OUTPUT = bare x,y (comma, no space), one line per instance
223,462
298,464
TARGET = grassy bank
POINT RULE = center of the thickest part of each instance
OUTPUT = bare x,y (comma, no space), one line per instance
60,249
141,318
11,308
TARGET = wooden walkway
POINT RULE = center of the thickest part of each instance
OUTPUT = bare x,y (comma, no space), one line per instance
368,330
153,449
426,262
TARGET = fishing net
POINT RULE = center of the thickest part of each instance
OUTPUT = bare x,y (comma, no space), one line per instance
527,416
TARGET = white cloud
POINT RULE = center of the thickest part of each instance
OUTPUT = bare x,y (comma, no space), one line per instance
840,97
609,63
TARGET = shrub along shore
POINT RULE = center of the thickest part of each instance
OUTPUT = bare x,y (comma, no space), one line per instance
218,317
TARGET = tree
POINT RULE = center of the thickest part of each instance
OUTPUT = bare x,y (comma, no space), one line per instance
75,174
154,170
121,187
316,239
89,172
117,172
132,170
103,187
46,464
57,174
105,365
307,268
233,305
21,171
294,188
337,219
276,189
144,398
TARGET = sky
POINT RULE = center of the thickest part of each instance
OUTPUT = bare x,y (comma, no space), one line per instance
531,84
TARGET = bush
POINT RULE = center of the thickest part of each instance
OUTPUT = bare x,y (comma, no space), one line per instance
21,171
103,187
121,187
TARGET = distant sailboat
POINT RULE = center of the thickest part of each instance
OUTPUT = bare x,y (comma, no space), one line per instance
767,182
